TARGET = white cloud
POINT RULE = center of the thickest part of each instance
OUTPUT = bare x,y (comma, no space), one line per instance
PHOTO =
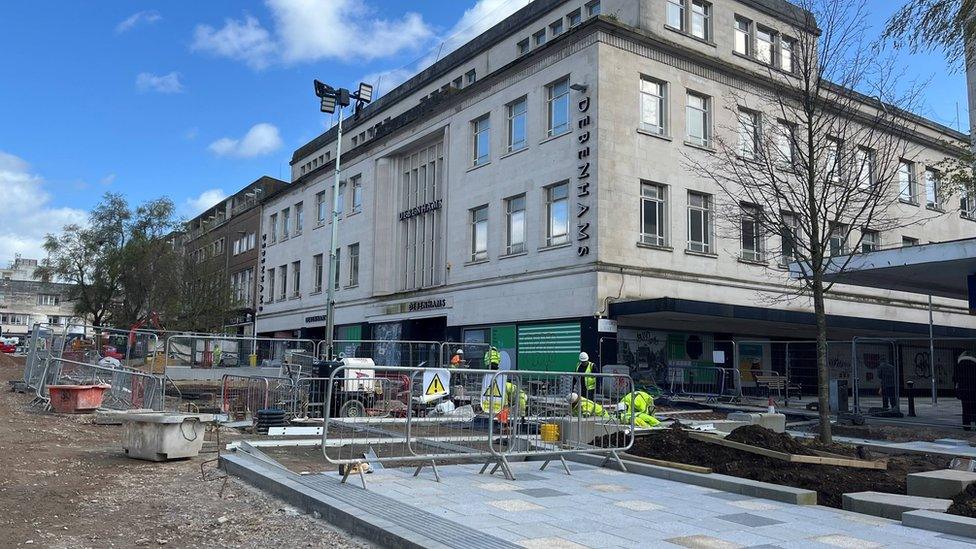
108,179
208,198
161,83
141,17
312,30
476,20
27,211
261,139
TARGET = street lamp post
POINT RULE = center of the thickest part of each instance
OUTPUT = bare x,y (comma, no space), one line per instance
330,99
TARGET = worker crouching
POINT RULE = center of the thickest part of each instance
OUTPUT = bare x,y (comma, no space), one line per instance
639,407
585,407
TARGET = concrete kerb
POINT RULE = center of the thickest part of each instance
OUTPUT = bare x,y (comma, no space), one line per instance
353,520
746,487
940,522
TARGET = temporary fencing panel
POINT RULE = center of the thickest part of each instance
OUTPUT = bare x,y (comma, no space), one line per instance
388,352
242,396
129,389
215,351
425,415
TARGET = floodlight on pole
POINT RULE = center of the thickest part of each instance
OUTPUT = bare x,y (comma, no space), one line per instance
330,99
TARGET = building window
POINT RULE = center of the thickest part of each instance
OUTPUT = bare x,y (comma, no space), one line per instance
574,18
515,214
237,247
789,238
470,77
479,233
748,133
833,163
338,268
653,215
321,207
906,181
556,28
932,190
785,145
870,241
341,203
967,204
317,273
865,167
698,119
653,105
273,227
299,217
838,240
296,278
481,145
593,9
743,36
517,139
750,233
676,14
354,264
907,241
701,19
285,223
357,193
271,285
523,47
765,38
539,38
787,48
456,84
699,222
557,213
48,299
557,98
283,279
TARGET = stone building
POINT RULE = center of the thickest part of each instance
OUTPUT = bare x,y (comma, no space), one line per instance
25,301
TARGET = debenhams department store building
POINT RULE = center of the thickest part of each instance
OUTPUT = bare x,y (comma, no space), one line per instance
530,185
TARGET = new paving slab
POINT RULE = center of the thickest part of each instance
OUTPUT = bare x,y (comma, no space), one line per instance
597,507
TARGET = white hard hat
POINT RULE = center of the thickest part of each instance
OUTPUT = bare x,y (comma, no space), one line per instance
572,398
584,357
460,351
621,406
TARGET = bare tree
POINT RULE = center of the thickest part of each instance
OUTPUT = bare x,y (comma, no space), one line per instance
811,161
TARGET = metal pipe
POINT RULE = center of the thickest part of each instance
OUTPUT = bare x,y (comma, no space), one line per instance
333,246
935,397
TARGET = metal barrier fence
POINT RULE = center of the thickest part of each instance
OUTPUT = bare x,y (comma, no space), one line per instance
387,352
38,349
129,389
423,416
710,382
216,351
463,355
242,396
91,344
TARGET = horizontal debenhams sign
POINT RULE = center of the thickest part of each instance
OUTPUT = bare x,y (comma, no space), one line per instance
421,209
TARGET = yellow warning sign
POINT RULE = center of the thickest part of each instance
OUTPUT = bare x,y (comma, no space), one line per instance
492,391
435,387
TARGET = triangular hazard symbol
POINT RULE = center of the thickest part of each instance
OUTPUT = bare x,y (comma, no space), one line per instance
493,391
435,387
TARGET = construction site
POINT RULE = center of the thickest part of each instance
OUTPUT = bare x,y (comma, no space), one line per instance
190,440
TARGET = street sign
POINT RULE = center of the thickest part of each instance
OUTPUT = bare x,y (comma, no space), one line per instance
437,383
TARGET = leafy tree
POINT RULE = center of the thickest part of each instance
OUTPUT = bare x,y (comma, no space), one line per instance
945,25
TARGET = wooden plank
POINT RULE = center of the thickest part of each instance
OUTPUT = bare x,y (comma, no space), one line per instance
845,462
739,446
669,464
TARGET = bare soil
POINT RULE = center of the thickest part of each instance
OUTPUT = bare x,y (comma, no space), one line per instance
894,433
830,482
66,483
965,502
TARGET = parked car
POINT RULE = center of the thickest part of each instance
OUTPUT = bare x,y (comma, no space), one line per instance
7,348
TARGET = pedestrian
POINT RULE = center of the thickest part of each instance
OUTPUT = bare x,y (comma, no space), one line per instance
964,379
585,384
889,385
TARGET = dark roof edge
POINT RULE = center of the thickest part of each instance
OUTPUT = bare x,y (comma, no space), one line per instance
473,47
264,179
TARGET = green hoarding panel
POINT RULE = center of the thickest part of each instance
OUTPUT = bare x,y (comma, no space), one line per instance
503,339
549,347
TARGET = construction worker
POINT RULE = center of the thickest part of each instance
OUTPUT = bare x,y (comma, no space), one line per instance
640,405
457,361
217,356
496,404
492,358
588,381
585,406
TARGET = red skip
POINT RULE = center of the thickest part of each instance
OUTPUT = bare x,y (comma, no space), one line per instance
73,399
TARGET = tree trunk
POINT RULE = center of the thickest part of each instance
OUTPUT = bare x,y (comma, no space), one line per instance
823,373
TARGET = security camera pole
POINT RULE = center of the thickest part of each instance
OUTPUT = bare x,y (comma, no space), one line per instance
331,97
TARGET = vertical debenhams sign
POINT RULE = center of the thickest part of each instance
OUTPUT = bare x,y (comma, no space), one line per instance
583,179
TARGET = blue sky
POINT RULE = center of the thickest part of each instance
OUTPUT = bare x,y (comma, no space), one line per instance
196,99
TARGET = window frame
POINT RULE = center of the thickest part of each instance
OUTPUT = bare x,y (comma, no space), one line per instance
296,278
706,16
512,117
706,116
552,101
757,49
912,182
789,237
299,217
286,223
321,208
353,264
557,27
593,8
751,121
479,228
875,240
318,274
552,238
357,194
661,101
659,203
704,211
273,226
746,33
511,246
675,8
841,231
751,216
477,132
934,183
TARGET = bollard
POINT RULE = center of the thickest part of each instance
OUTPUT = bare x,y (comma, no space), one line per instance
911,399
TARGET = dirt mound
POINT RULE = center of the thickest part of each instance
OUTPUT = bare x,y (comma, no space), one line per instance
830,482
755,435
7,361
964,503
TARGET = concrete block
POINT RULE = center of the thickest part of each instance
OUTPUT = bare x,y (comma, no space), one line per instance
727,426
940,522
160,436
116,417
582,430
891,506
774,422
944,483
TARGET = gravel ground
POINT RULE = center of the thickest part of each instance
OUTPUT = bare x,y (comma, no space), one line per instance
66,484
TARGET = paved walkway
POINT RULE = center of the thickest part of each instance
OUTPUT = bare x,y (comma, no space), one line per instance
607,508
